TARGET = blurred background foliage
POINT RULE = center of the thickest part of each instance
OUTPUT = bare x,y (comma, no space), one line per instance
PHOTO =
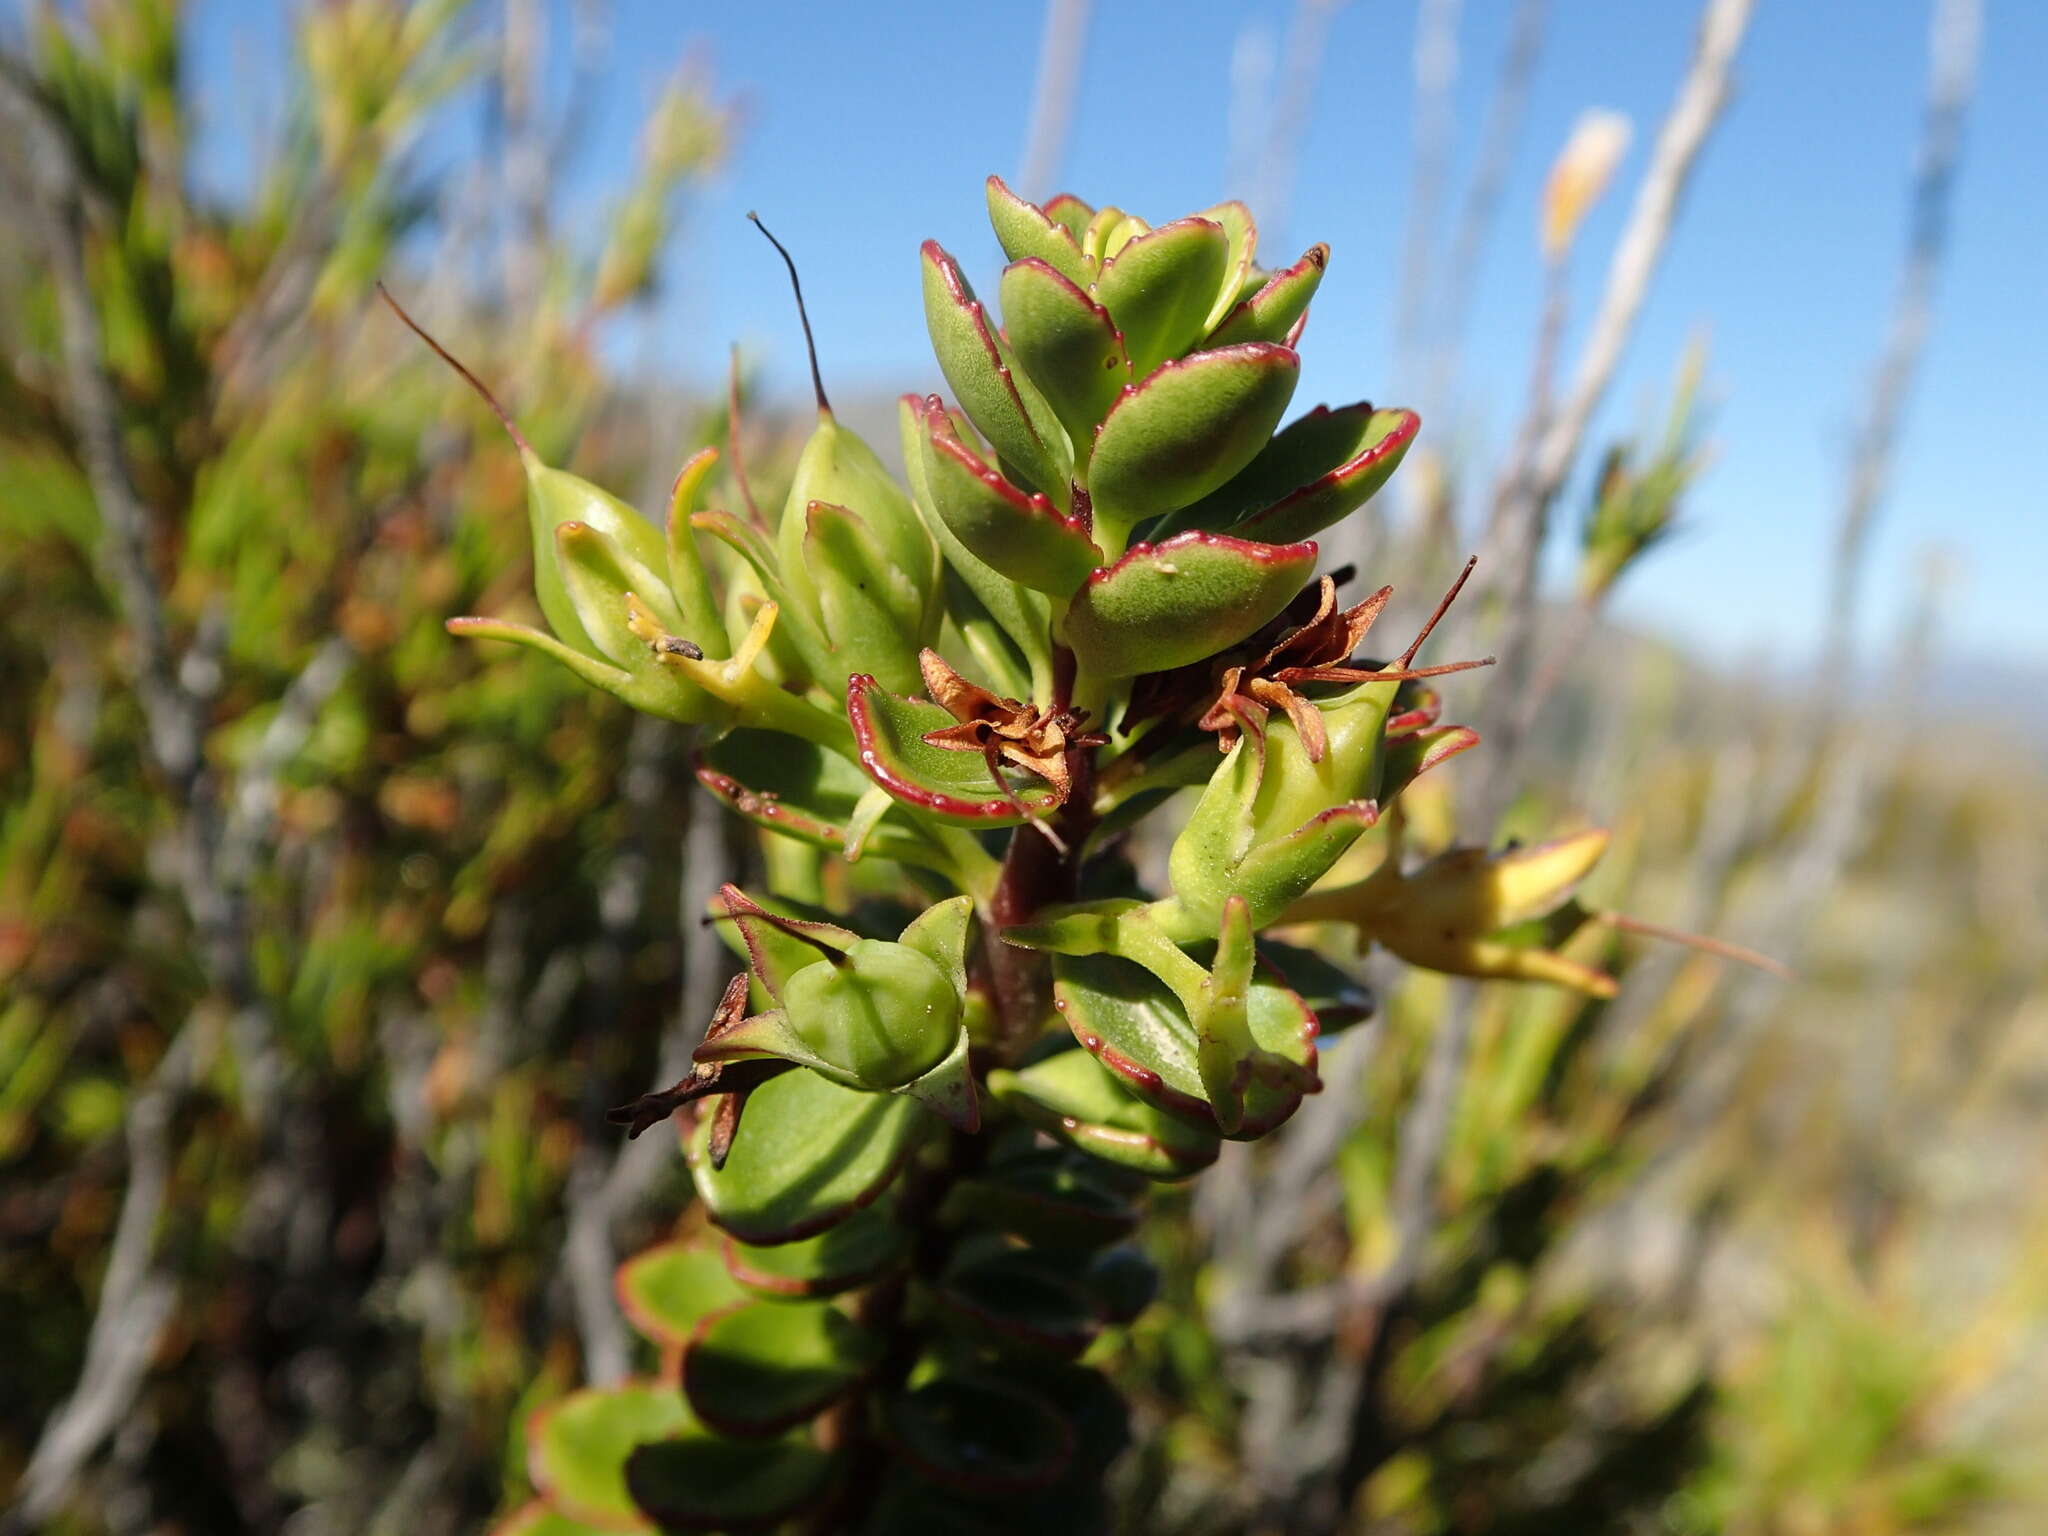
325,941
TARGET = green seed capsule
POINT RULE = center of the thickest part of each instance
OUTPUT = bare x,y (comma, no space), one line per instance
883,1012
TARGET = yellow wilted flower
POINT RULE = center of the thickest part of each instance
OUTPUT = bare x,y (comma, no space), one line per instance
1581,173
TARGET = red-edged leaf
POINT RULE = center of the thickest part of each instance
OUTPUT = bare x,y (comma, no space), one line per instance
1165,605
1185,429
889,731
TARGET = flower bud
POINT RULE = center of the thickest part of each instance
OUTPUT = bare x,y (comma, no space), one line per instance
882,1012
1273,820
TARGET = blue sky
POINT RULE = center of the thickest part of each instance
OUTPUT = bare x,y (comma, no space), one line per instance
869,128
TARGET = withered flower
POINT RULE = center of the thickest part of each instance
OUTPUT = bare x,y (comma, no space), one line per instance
1316,651
1004,730
731,1080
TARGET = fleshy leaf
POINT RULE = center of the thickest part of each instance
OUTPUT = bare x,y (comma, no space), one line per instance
983,376
1166,605
656,691
1160,286
1271,313
1018,1299
979,1436
803,791
1067,343
851,1254
576,1448
948,1090
889,731
871,608
1026,232
1411,755
1320,469
597,575
1070,213
667,1290
808,1155
698,1483
1048,1198
1336,997
536,1519
760,1368
1185,429
1073,1097
778,945
1236,220
1023,538
1023,616
1123,1283
1134,1025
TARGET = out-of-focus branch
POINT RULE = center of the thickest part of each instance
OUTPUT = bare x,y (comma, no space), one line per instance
1436,73
1060,50
1502,132
587,1253
1523,515
135,1301
1952,49
1294,94
59,208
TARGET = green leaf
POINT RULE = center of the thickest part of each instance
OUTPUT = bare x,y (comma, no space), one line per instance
576,1448
1160,287
778,945
889,731
1185,429
1050,1198
1018,1299
808,1155
873,610
1318,471
1027,232
1067,343
1413,754
1132,1023
804,791
851,1254
667,1290
940,934
698,1483
1337,998
597,575
1074,1098
555,497
1023,538
983,376
1122,1283
536,1519
1024,616
1166,605
1237,223
761,1368
1070,213
1274,311
980,1437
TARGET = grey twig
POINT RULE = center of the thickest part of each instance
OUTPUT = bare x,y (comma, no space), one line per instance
1523,515
135,1301
1952,50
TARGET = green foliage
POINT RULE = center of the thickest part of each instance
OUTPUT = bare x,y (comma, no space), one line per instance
972,1099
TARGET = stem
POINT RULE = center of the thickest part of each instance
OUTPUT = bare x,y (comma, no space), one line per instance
1036,872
